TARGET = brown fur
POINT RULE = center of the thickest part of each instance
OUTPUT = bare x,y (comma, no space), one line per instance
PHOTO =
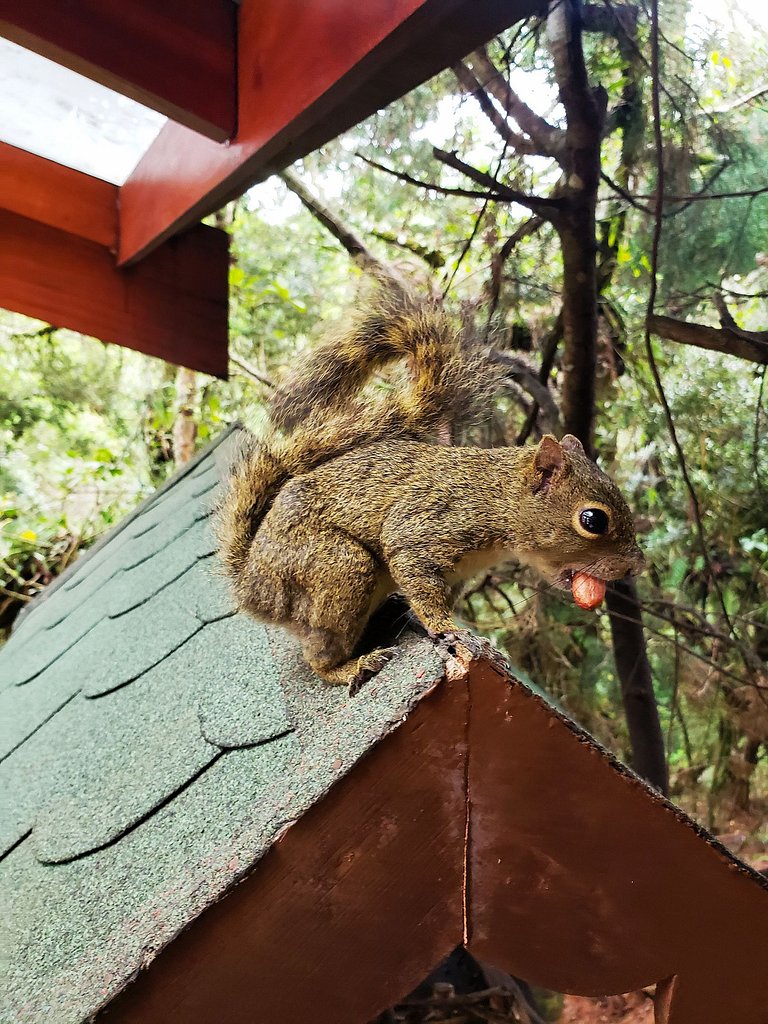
354,501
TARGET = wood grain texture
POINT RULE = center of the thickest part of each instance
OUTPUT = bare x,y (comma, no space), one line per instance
307,70
583,880
173,305
351,908
46,191
176,57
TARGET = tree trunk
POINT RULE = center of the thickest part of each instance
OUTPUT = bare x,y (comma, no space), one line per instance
185,425
576,226
636,682
577,237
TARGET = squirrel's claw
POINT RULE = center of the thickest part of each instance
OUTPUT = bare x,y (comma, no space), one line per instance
368,666
449,646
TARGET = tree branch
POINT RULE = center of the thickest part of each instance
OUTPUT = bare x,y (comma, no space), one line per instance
250,370
528,227
545,207
430,186
756,94
344,234
472,87
751,345
548,139
524,376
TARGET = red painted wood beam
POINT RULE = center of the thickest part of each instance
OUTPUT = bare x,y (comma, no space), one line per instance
307,70
55,195
176,57
173,305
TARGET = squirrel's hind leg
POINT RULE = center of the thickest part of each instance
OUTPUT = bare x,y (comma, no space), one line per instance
328,655
341,588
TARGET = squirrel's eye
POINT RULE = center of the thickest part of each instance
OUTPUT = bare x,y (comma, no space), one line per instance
594,521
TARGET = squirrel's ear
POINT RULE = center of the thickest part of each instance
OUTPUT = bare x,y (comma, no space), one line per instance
547,462
573,444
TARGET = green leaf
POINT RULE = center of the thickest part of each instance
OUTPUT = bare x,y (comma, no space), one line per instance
678,572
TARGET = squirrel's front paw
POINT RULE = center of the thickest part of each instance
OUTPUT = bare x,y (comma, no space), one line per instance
477,646
369,665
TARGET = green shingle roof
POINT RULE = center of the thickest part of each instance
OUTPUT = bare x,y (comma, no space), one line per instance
153,745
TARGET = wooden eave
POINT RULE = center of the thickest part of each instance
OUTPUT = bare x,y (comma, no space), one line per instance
248,89
487,819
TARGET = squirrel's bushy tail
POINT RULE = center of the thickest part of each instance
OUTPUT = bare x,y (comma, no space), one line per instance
446,376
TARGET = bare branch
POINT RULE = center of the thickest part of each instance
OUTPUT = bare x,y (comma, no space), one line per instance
343,233
625,195
250,370
472,87
548,139
726,319
742,101
751,345
545,207
698,197
431,186
522,374
528,227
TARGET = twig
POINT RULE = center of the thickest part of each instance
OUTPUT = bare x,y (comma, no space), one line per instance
251,370
528,227
344,234
624,194
430,186
542,205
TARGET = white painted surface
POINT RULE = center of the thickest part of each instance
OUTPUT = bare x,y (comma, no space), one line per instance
56,113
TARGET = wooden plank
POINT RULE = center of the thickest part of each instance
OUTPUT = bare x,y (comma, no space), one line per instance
176,57
173,305
347,913
48,192
363,56
584,880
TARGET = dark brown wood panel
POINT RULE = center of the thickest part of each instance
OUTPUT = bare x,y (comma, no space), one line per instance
352,907
583,880
173,305
174,56
308,69
58,196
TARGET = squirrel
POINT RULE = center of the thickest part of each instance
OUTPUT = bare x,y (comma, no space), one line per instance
347,500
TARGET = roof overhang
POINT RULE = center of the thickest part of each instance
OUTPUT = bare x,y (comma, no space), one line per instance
249,88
